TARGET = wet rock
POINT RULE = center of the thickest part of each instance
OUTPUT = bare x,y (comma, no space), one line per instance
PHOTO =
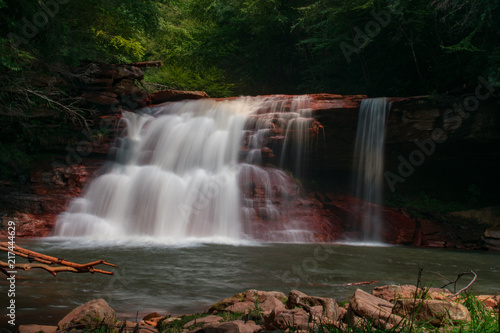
434,312
88,314
376,310
37,329
151,316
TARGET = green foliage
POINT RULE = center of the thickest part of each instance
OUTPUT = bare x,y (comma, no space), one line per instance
483,319
211,80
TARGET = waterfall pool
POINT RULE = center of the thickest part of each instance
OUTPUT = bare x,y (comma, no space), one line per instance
189,277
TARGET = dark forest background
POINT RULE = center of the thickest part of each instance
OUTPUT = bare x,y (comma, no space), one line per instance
235,47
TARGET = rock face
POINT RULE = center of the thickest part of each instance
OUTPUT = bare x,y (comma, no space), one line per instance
88,315
35,205
492,238
35,199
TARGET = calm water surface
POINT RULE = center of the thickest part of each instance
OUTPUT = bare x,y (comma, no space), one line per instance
179,279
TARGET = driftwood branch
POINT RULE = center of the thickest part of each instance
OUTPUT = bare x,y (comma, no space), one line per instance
454,282
47,262
470,283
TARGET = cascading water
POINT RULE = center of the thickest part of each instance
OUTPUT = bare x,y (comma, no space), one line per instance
369,166
177,174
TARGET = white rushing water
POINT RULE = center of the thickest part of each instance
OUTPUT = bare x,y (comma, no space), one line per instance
369,165
176,174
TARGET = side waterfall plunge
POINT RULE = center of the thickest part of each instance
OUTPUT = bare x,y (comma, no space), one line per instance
177,174
369,166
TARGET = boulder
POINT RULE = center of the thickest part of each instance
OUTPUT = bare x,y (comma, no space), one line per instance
295,319
489,300
438,293
392,292
93,312
151,316
271,303
260,296
324,310
37,329
241,307
377,311
434,312
235,326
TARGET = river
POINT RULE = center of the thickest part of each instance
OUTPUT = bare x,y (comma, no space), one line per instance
188,277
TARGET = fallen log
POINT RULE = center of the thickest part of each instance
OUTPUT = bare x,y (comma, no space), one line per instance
157,63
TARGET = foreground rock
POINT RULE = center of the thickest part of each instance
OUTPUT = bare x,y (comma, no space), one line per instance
365,309
254,311
37,329
96,312
394,292
434,312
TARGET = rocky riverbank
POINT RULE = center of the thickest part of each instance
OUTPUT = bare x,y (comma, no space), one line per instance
392,307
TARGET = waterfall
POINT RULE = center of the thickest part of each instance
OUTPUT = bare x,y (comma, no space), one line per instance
369,166
177,173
